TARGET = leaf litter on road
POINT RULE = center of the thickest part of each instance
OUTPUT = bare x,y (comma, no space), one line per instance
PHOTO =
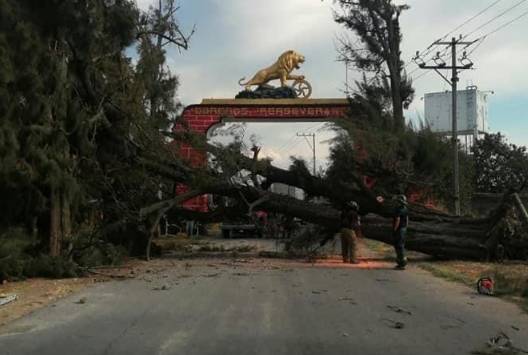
393,324
161,288
399,310
500,344
347,299
211,275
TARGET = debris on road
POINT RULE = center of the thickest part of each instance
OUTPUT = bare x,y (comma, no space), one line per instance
241,274
112,275
394,324
162,288
82,300
5,299
383,280
211,275
348,299
500,344
399,310
399,325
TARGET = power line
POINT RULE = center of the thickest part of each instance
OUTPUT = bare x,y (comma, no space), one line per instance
474,17
289,146
495,18
433,45
291,140
312,146
295,144
480,41
503,25
482,38
421,76
471,19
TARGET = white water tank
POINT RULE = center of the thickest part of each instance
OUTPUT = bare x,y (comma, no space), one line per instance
472,111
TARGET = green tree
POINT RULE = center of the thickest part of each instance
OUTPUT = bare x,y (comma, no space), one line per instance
158,30
499,166
377,25
77,139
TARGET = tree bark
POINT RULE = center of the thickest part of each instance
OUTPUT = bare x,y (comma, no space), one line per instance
55,223
60,221
450,238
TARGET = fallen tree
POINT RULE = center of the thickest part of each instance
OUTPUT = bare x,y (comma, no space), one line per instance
501,235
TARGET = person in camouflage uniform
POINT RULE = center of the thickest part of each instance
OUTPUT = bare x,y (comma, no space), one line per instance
350,228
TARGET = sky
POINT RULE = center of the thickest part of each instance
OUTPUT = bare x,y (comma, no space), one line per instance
235,38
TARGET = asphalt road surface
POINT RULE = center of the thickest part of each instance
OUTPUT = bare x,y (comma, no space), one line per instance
268,307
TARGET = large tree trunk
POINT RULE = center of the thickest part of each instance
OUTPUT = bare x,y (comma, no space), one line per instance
502,235
55,223
60,221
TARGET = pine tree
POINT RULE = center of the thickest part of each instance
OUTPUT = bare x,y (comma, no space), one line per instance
75,128
377,24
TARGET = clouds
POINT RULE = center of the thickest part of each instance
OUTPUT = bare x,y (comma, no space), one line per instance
144,4
504,49
279,141
237,37
499,61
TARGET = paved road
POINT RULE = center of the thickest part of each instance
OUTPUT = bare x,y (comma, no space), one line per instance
267,307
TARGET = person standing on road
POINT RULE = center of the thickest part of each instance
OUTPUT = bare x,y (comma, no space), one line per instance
399,229
350,227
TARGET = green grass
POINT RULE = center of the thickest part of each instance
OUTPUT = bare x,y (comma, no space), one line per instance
510,278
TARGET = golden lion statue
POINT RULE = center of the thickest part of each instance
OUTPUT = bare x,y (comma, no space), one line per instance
281,69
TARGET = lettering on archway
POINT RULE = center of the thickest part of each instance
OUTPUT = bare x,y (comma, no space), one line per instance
200,118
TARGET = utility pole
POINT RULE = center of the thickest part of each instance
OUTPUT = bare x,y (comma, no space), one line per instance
440,64
311,145
347,88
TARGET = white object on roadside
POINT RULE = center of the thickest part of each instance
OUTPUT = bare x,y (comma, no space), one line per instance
7,299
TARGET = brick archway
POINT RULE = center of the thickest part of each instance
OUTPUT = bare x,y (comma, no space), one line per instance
200,118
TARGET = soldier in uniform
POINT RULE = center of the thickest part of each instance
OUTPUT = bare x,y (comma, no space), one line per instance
350,228
399,230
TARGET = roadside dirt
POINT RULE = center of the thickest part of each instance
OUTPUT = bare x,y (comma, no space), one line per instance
36,293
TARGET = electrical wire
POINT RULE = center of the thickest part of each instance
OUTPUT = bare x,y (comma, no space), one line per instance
482,38
495,18
292,141
444,51
480,41
295,145
472,18
414,80
503,26
432,46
